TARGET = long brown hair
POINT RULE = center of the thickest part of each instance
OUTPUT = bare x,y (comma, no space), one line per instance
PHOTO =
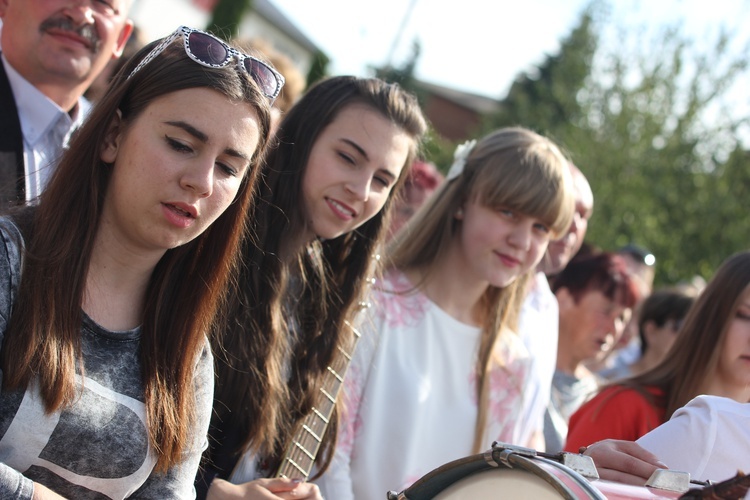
43,338
326,278
694,357
513,168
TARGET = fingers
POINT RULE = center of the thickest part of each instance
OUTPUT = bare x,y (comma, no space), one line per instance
291,489
623,461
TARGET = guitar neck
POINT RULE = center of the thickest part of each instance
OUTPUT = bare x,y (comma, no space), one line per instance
300,454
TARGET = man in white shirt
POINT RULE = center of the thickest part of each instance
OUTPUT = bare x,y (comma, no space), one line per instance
51,52
539,315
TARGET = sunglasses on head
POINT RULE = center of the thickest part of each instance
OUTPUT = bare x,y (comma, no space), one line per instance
210,51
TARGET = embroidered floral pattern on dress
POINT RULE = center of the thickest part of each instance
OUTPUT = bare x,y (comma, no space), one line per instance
506,389
398,302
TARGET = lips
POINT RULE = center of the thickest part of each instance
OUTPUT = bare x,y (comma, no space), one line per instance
179,215
73,36
183,209
341,210
508,260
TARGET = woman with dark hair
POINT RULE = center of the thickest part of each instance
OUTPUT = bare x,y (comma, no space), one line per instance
595,295
711,356
111,283
324,199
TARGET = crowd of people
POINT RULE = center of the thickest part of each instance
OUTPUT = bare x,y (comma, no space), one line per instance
192,242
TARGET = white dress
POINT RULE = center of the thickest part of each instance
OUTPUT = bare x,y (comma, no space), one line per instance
410,395
709,438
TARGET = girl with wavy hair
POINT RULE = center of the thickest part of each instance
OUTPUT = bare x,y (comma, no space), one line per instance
343,151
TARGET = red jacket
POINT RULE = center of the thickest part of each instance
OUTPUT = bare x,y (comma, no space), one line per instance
615,413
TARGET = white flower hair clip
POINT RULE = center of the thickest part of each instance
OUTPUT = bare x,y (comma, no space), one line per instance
459,159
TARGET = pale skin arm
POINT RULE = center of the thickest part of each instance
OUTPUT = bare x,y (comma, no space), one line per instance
262,489
623,461
41,492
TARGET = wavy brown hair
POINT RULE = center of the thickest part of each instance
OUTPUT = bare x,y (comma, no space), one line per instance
291,305
43,338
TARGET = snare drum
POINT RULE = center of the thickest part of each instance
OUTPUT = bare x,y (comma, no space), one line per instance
506,473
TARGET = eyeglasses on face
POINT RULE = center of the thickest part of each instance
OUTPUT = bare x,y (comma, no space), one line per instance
207,50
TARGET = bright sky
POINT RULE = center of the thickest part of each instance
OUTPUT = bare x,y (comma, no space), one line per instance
478,45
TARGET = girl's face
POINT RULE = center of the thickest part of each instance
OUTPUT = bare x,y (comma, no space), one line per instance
734,362
352,168
176,167
499,245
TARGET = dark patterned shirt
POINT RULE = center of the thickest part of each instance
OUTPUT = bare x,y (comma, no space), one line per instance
98,447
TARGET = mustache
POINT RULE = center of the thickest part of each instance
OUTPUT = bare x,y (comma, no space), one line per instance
87,31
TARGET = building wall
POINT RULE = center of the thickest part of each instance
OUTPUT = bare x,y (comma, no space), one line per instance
254,26
451,121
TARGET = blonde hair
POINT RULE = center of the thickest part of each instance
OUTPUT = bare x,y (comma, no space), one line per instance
513,168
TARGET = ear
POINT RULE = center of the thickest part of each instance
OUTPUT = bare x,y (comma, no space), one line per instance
112,139
127,29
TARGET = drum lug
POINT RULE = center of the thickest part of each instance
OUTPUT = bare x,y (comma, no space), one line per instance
670,480
582,464
506,450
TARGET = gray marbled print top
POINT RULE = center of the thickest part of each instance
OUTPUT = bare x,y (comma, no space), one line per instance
98,447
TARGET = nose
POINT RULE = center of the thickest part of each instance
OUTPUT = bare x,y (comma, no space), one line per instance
360,186
80,12
520,236
199,178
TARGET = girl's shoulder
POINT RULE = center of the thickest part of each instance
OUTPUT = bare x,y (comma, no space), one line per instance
395,298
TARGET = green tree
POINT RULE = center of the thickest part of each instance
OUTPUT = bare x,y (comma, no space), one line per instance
226,17
545,99
318,68
403,75
656,146
648,121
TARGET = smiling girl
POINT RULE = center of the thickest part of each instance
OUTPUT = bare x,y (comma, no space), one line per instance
439,371
109,286
324,200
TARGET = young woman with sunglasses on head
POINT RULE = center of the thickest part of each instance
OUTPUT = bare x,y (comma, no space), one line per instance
439,373
342,151
111,283
710,356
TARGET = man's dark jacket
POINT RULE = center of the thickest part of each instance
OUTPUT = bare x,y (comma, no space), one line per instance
11,147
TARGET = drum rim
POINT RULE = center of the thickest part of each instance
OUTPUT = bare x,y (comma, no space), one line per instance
450,473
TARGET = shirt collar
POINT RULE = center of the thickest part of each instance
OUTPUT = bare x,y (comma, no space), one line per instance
37,112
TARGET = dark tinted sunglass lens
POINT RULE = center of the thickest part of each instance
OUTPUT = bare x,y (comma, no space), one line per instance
207,49
263,76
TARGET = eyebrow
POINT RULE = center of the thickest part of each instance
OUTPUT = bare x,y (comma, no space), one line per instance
364,154
203,137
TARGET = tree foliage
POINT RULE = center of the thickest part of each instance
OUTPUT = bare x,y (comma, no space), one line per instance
650,123
226,17
318,68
